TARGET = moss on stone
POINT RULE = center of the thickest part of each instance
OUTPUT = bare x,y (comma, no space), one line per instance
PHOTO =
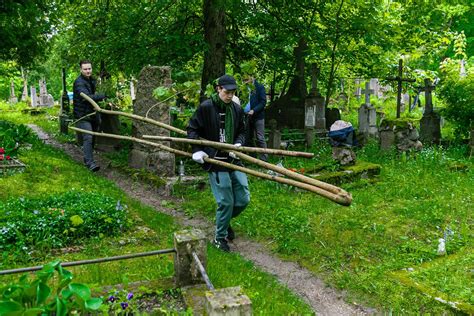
346,174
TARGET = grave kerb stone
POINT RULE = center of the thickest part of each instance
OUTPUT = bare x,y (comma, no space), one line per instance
228,301
186,242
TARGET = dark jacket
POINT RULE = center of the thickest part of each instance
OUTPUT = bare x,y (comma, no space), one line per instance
82,106
258,99
205,124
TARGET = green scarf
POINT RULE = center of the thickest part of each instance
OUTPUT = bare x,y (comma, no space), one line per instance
229,118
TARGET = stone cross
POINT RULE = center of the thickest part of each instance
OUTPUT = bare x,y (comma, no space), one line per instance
428,88
13,98
399,79
367,92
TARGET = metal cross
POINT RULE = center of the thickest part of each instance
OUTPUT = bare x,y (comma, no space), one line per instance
399,79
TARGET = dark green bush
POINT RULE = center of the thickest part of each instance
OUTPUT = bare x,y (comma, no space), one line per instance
58,221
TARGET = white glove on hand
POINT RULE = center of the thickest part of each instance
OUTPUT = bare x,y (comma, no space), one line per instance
232,154
199,156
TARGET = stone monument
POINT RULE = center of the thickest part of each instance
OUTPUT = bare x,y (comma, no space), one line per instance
368,116
45,99
430,124
315,114
34,97
153,159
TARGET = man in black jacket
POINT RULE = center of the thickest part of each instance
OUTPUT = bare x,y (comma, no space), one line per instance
220,119
83,109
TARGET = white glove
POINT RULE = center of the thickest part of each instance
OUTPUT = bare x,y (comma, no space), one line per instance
232,154
199,156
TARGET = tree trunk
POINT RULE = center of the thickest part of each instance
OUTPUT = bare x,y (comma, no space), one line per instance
215,38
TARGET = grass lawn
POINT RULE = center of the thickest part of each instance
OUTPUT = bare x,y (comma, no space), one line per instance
392,225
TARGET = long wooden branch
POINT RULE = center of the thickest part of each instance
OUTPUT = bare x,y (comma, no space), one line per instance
236,150
133,116
338,198
219,145
181,132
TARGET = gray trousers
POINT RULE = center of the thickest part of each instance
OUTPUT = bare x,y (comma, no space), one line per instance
231,191
87,142
257,131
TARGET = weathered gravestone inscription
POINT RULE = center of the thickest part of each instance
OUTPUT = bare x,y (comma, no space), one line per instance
161,162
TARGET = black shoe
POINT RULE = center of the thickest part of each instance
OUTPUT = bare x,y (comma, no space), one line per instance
230,234
221,244
94,168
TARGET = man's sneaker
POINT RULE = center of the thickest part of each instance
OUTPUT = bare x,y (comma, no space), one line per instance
221,244
94,168
230,234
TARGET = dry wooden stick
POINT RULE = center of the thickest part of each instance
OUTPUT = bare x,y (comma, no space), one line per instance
338,198
236,150
180,131
227,146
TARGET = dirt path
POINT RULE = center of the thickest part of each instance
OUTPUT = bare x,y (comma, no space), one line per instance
323,300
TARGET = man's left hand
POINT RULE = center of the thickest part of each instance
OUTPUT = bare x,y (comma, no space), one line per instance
232,154
250,112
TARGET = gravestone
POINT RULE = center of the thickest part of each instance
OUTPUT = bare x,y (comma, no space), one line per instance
332,115
374,86
45,99
24,95
368,115
274,136
315,111
34,97
430,123
289,109
405,101
358,89
13,99
161,162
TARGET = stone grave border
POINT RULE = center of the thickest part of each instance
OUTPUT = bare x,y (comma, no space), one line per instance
11,166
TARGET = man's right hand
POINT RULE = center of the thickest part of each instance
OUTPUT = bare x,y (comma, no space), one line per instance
199,156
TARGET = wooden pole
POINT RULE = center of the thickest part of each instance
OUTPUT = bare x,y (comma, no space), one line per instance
180,131
341,199
219,145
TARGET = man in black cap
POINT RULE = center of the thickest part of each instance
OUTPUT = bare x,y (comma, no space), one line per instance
220,119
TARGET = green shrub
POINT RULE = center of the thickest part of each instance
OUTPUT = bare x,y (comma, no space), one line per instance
37,297
458,93
58,221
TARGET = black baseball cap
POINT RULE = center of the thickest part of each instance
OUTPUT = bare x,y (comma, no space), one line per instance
227,82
